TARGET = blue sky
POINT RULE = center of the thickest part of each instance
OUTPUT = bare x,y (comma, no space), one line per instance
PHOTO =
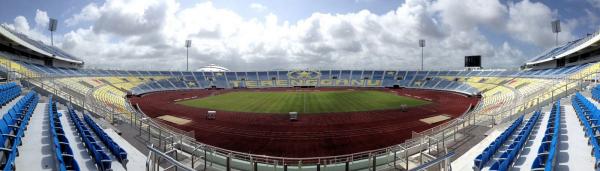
303,33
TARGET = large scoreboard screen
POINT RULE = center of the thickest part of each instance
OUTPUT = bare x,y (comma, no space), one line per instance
473,61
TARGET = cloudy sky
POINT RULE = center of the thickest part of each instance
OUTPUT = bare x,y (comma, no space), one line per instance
260,34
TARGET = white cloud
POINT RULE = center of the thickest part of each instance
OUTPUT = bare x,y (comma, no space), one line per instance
466,14
41,18
137,34
258,7
88,13
530,22
21,24
35,31
595,3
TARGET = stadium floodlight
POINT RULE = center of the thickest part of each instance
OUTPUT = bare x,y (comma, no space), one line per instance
422,45
188,44
52,27
556,29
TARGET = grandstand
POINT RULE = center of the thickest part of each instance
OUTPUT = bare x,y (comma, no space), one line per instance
537,118
573,53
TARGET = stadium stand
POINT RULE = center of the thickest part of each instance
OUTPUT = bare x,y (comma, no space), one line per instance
507,157
562,50
102,160
507,95
13,128
40,45
588,115
496,87
9,92
515,141
489,151
64,154
9,65
546,158
114,148
596,93
109,87
345,79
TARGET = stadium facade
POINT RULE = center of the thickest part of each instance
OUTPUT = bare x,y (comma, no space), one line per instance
576,52
35,52
511,103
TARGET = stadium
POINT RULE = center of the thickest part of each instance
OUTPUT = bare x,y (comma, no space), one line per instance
60,114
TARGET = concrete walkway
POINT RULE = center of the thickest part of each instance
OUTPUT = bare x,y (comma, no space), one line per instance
37,151
136,158
574,152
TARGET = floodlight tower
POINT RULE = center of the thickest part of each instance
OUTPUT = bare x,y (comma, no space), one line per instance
188,44
556,29
52,27
422,45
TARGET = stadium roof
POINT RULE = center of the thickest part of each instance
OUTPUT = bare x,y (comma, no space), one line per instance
213,68
38,46
566,49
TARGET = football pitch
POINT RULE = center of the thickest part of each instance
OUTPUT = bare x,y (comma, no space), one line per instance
303,102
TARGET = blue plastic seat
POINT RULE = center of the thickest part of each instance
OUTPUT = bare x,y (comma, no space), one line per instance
102,160
489,151
114,148
63,151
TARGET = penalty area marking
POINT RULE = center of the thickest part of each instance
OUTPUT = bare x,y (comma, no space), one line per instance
174,119
435,119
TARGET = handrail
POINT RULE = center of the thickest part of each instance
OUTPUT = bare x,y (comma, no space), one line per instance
432,163
169,158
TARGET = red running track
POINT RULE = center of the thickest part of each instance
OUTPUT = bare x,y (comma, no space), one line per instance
313,135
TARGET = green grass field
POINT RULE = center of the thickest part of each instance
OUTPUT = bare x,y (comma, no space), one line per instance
303,102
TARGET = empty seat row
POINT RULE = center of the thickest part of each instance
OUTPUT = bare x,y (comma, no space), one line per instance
596,93
507,157
491,149
62,148
8,92
100,157
589,117
114,148
13,126
546,158
415,81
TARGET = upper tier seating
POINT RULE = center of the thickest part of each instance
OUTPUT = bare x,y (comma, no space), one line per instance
6,64
563,48
41,45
